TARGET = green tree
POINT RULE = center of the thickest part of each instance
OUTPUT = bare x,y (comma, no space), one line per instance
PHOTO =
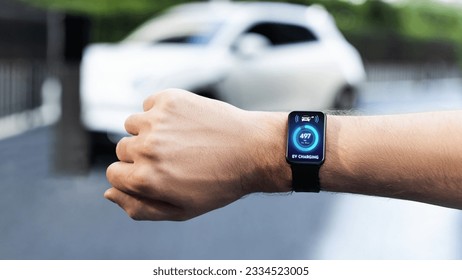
370,25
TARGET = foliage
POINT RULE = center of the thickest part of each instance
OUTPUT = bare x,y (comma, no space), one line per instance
413,30
407,21
97,8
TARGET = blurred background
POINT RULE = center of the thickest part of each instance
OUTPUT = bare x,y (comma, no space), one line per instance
71,71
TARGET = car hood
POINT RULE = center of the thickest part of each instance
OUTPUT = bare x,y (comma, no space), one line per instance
127,69
116,79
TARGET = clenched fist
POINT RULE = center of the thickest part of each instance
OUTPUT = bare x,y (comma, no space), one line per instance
189,155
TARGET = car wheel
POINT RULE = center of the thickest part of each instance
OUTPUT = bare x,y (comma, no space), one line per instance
346,99
207,91
100,147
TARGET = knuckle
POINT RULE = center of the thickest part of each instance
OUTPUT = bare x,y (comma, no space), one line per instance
150,140
163,97
141,182
129,122
170,97
135,123
152,97
139,120
121,146
150,146
146,146
149,100
110,173
136,180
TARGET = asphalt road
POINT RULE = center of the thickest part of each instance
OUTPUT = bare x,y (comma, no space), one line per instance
48,216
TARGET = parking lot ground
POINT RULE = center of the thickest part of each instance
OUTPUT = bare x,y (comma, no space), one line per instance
44,215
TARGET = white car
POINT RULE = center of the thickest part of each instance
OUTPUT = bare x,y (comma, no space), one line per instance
259,56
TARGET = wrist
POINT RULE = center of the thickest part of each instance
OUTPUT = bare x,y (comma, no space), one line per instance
330,167
272,172
340,170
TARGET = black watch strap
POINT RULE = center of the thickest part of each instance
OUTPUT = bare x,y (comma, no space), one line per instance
305,178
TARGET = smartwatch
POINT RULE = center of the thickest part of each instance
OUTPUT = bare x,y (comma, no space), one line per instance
306,148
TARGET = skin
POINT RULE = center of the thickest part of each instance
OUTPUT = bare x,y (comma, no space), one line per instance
190,155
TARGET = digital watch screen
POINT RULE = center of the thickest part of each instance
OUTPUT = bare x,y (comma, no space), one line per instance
306,138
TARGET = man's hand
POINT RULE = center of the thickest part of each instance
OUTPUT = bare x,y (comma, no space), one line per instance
189,155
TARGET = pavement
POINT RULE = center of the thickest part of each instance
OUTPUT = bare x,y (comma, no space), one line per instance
47,216
44,215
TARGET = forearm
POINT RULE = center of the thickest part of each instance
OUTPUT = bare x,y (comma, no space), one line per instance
415,157
189,155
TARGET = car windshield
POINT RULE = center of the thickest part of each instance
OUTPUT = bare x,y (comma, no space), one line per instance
177,29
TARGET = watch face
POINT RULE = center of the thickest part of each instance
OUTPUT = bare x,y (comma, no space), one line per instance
306,138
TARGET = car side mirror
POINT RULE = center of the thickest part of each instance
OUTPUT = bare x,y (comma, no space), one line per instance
251,44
